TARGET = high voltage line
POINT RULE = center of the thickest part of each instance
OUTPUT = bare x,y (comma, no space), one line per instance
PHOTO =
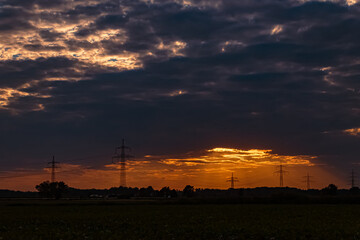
352,179
232,181
281,173
53,168
121,158
308,181
27,173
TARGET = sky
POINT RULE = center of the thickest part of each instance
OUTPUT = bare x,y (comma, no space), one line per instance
199,89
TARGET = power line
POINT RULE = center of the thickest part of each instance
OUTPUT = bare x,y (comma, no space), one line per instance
352,179
308,181
232,180
53,167
281,173
121,158
81,159
16,175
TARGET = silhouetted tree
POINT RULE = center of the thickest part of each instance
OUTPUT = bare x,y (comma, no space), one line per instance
52,190
188,191
165,192
330,190
355,190
173,193
147,192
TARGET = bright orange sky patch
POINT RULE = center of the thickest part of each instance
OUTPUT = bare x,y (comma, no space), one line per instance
205,169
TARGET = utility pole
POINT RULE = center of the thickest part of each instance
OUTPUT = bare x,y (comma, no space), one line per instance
308,181
232,181
121,158
281,173
53,167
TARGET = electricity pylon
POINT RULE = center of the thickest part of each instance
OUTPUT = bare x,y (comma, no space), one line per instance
352,179
308,181
53,167
121,158
281,173
232,181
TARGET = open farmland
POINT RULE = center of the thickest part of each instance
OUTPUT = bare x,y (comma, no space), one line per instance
132,220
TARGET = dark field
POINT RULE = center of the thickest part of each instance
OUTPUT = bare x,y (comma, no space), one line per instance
120,220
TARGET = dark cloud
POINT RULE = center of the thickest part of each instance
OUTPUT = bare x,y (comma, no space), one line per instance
39,47
16,73
28,4
270,74
102,23
50,35
14,19
188,24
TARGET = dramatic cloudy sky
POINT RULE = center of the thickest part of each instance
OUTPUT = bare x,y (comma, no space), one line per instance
198,88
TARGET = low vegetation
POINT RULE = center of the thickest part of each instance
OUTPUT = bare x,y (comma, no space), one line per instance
126,219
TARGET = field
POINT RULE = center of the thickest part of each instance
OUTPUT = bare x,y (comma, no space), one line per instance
126,220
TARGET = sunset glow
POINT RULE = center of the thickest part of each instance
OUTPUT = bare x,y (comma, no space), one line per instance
204,169
277,29
179,119
353,131
199,90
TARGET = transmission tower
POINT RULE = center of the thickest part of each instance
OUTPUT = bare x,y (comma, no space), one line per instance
121,158
281,173
353,177
232,181
308,181
53,167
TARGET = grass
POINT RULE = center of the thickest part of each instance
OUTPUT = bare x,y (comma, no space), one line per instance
94,220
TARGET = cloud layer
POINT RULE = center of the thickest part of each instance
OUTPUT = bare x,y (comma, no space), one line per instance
176,76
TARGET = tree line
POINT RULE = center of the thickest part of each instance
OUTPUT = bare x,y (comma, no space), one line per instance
57,190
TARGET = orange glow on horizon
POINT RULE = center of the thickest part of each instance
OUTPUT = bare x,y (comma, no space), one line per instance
352,131
204,169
